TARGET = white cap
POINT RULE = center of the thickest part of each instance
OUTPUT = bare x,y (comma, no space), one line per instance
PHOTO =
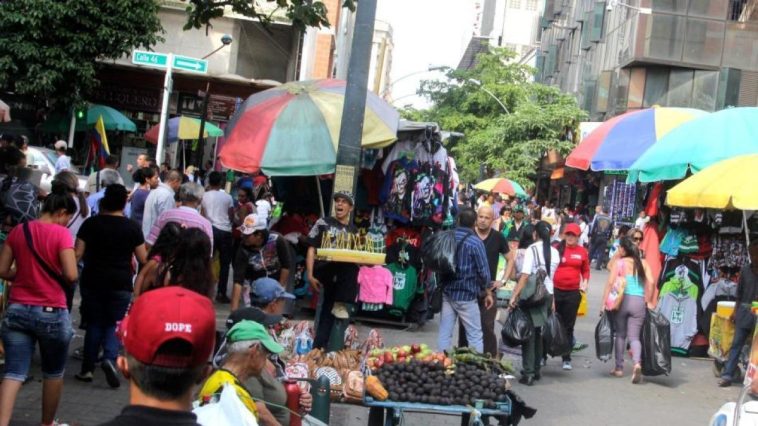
61,145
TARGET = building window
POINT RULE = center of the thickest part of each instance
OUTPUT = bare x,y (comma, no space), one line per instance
515,4
656,87
531,4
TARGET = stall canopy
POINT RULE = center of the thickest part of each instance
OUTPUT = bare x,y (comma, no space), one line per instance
183,128
618,142
293,129
502,186
697,144
112,118
726,184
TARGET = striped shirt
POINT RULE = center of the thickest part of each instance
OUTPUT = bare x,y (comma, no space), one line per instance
472,271
187,217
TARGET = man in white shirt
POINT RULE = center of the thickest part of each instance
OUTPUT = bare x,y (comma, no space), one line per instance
218,208
160,200
64,161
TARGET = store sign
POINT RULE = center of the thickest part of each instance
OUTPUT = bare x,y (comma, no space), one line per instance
219,107
127,98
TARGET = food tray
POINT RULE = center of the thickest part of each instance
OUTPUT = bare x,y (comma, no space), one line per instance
351,256
504,407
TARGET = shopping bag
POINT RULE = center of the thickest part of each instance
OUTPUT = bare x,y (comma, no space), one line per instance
438,252
557,339
656,344
228,410
720,337
582,311
604,338
518,327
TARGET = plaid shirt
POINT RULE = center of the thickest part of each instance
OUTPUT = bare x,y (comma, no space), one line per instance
472,271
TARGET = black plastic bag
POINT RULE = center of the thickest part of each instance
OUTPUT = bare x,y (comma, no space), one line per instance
518,328
556,337
604,338
438,252
656,344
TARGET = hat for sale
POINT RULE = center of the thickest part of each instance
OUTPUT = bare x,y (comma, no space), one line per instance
61,145
266,290
251,224
167,314
573,228
345,195
250,330
253,314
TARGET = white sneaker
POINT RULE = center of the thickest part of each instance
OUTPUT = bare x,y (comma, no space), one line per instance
567,365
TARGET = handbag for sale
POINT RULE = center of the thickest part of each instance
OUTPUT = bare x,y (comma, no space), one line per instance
534,292
616,295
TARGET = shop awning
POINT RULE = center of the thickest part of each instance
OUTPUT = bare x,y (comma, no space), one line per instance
557,173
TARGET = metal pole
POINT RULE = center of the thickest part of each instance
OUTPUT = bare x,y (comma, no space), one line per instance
72,128
197,154
167,83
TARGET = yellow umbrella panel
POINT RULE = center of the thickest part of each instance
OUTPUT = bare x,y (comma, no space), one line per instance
726,184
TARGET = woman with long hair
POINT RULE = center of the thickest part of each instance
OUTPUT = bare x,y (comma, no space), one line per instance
638,294
571,279
69,180
539,255
161,251
45,268
106,244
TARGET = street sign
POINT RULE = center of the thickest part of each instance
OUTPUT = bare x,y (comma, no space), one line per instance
187,63
151,59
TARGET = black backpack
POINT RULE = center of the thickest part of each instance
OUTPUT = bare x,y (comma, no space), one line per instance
19,201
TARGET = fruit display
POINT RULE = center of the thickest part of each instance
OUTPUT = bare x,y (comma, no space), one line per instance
404,354
433,383
342,361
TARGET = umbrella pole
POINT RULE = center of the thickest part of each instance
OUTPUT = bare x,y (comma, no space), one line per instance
320,197
747,231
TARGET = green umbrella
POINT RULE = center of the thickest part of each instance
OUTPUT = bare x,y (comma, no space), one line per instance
112,118
697,144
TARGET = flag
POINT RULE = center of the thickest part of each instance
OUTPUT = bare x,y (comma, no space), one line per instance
98,146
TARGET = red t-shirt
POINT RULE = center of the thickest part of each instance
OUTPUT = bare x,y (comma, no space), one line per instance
574,266
32,285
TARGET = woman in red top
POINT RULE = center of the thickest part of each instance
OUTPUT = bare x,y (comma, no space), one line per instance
571,278
37,311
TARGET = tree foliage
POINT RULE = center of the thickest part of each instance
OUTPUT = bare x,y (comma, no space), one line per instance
538,118
49,48
302,13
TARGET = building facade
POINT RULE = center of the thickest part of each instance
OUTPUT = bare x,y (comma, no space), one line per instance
618,56
505,23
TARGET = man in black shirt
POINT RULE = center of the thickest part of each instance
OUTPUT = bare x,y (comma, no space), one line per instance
335,281
168,338
495,246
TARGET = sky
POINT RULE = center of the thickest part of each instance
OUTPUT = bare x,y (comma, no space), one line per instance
425,33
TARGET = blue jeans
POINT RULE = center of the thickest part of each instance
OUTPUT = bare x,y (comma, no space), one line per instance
103,311
740,336
470,317
25,325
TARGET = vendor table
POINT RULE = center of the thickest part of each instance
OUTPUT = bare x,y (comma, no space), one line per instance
389,413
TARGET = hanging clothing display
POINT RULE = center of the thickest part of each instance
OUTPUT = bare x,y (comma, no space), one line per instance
721,287
682,273
375,285
397,190
681,311
672,241
729,251
428,199
423,148
404,282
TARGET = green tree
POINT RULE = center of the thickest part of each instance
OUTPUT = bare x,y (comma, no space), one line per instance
49,49
302,13
538,118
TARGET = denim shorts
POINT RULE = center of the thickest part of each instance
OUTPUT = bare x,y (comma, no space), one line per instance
23,326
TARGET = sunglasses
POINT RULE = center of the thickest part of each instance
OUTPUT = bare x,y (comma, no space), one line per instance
637,239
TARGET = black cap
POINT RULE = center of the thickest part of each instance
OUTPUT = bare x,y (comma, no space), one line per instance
253,314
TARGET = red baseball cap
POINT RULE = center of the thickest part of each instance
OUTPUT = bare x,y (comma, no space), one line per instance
573,228
165,314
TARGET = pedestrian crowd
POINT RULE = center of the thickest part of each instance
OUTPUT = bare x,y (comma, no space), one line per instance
142,262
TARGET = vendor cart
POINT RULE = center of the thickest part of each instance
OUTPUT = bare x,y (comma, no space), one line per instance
390,413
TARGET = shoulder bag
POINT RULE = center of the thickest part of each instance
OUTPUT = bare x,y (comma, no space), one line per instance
616,295
534,292
47,268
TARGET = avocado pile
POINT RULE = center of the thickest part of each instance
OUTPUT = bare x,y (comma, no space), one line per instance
431,383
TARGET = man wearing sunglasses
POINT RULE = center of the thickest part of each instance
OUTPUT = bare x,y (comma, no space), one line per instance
243,355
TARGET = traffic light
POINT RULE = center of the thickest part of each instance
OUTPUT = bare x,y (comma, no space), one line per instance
80,113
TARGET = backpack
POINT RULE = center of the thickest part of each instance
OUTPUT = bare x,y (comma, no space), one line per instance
19,201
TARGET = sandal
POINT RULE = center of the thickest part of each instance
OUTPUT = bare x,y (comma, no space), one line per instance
616,372
637,374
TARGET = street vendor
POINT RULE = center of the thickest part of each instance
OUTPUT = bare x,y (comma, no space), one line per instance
336,282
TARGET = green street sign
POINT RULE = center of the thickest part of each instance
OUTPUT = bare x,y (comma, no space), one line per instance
187,63
151,59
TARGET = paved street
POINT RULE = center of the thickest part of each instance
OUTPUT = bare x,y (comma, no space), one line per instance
584,396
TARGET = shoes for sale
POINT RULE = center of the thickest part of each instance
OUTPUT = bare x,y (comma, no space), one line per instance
111,375
567,366
84,376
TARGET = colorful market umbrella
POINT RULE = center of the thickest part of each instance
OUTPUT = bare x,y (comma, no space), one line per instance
698,144
502,186
293,129
726,184
183,128
112,118
618,142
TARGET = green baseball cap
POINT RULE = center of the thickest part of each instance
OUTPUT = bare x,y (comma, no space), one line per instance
251,330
